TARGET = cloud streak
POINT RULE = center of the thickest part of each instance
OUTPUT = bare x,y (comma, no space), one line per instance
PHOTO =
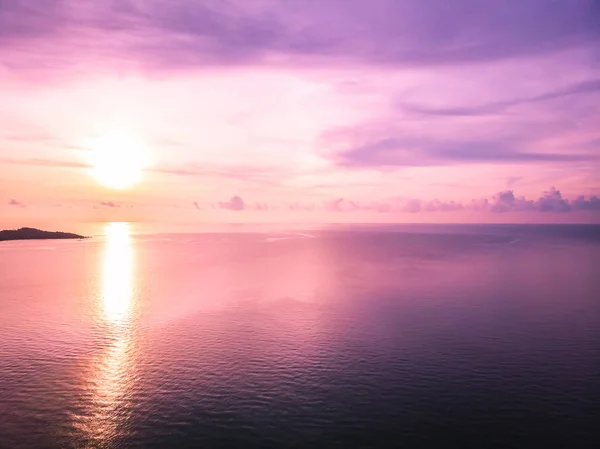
261,176
45,163
584,87
428,151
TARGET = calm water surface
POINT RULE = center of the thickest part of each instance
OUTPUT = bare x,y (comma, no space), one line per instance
443,336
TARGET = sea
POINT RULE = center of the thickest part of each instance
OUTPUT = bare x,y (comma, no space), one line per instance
354,336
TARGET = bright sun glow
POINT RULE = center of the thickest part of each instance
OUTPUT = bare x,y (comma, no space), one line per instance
118,160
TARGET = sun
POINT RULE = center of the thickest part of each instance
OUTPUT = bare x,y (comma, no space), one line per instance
118,160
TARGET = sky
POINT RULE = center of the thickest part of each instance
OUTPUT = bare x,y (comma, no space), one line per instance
300,111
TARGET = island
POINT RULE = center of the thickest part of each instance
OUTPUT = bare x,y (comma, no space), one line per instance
36,234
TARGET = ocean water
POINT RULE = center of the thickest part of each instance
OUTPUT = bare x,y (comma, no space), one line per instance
358,336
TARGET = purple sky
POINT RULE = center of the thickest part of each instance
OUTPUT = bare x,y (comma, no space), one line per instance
302,110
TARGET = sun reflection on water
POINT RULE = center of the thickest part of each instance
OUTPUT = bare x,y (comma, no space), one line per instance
109,380
117,278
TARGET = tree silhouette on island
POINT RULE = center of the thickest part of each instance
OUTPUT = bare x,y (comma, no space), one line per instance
36,234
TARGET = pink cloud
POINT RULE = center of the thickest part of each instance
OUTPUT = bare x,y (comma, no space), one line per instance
15,203
236,203
109,204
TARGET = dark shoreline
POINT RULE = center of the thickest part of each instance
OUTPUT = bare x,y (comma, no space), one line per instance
36,234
